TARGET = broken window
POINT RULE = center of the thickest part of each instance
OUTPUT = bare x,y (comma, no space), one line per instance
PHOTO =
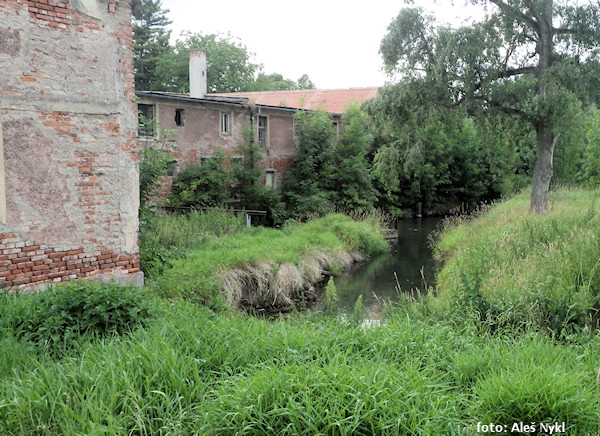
146,121
226,122
179,117
262,131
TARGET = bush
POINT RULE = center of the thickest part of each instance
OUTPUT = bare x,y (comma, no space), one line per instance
53,318
201,186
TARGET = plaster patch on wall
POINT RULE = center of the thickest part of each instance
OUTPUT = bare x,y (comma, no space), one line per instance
91,8
10,43
129,208
32,174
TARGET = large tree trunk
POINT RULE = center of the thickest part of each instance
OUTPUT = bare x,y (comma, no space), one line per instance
542,173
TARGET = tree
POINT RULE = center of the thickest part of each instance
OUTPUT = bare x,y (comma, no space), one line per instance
521,59
353,187
308,188
276,82
150,41
228,64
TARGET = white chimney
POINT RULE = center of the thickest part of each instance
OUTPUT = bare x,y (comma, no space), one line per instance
198,87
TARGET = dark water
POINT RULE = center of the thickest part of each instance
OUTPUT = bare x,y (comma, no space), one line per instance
411,259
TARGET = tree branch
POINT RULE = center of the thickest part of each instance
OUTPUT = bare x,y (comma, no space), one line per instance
516,13
562,31
517,71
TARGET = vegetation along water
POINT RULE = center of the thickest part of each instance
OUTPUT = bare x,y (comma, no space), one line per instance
509,337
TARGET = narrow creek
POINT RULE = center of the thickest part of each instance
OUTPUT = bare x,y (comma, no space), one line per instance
409,263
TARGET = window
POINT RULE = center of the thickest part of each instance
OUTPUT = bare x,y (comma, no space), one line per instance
262,131
171,167
180,117
237,160
146,120
270,178
226,123
336,127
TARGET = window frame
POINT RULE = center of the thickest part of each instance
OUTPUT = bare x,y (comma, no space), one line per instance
225,123
147,130
262,132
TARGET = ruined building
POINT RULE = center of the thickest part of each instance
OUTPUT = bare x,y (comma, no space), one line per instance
68,171
204,123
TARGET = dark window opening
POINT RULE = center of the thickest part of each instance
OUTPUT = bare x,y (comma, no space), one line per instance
179,117
262,131
146,120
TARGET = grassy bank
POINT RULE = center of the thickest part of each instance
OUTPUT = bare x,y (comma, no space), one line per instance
527,271
440,366
261,267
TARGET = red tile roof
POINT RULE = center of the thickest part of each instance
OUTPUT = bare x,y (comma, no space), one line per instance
330,100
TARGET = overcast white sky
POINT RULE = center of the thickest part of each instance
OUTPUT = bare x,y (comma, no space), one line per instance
335,42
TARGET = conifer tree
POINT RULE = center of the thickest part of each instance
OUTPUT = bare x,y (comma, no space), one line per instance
150,41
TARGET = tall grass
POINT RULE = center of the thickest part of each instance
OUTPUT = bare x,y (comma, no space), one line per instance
266,267
528,271
166,237
194,372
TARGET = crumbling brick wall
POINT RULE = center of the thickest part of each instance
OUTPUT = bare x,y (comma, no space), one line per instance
69,191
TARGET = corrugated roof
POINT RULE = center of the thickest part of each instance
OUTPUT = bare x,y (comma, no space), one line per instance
330,100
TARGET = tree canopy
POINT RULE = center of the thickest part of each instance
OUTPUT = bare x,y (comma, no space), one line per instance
532,59
229,65
150,40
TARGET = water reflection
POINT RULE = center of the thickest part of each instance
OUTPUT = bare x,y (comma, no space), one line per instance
411,259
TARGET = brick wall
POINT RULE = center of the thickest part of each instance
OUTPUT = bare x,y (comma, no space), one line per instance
67,134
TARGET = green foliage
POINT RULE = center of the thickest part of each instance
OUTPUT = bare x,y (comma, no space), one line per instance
308,188
247,187
166,237
352,187
310,247
535,383
55,318
228,61
590,170
150,41
276,82
156,160
330,298
196,372
508,63
205,185
442,159
527,272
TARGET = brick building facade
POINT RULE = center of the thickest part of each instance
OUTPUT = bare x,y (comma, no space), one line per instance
69,190
205,122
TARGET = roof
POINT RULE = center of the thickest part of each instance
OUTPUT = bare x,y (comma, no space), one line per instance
330,100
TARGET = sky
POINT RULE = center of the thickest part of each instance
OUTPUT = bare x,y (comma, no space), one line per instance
335,42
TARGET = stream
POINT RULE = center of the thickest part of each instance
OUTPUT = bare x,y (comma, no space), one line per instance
410,258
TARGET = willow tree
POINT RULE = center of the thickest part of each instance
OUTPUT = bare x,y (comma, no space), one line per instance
535,59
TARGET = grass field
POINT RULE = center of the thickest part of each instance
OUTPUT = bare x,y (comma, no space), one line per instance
438,366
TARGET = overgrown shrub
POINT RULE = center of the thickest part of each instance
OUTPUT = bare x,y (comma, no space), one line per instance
59,315
202,186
